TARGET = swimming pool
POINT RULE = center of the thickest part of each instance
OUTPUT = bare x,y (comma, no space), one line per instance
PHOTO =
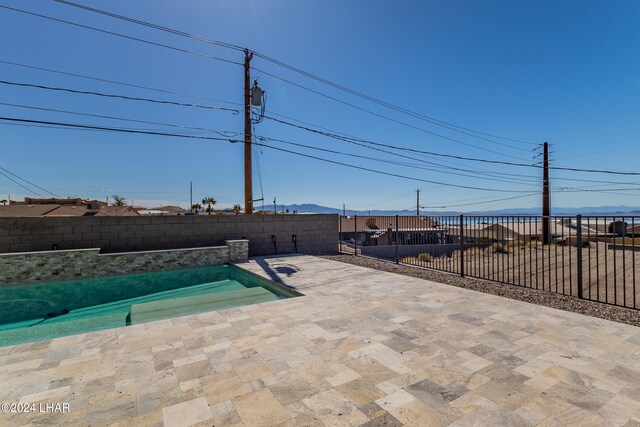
40,311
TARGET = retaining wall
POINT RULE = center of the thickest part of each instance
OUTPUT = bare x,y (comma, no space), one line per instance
316,234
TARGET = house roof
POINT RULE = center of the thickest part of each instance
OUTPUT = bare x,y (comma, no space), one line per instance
64,210
366,223
25,210
171,209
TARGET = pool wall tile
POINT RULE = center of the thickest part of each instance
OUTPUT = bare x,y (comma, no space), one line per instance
32,267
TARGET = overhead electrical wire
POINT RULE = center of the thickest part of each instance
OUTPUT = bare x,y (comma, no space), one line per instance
20,184
107,128
133,131
442,123
222,133
28,182
387,173
82,76
499,162
233,134
109,95
151,25
262,71
303,72
149,42
533,193
429,119
457,141
386,161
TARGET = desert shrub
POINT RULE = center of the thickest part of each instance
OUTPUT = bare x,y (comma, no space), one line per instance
474,251
371,223
498,248
424,257
516,244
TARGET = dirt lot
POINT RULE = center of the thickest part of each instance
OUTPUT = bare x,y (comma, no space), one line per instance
608,275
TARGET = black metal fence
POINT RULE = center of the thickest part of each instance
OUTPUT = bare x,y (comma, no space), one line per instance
591,257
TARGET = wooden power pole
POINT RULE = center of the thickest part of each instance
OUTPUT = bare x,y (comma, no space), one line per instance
546,204
417,201
248,180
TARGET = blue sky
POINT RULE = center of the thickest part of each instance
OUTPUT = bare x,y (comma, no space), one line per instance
565,72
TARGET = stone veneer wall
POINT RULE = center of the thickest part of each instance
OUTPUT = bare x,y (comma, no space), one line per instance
316,234
31,267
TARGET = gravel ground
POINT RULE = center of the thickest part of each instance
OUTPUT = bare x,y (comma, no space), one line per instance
549,299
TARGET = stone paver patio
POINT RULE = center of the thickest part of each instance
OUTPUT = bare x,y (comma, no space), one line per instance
362,347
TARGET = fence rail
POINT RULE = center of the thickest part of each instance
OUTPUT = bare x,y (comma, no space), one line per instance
596,258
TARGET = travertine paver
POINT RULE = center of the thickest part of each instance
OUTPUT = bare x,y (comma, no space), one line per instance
362,347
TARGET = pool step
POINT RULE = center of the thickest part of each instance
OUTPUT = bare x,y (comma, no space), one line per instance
162,309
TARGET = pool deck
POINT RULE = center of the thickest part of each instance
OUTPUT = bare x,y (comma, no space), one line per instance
362,347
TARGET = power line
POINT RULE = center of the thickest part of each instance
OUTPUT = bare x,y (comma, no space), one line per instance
266,73
27,181
28,189
432,120
387,173
381,160
532,193
108,95
155,26
389,118
187,95
228,134
500,162
239,104
177,49
232,134
222,133
363,143
105,128
78,126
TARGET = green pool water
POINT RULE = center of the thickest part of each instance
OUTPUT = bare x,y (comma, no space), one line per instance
40,311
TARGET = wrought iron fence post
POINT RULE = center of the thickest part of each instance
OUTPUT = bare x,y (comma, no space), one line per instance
340,233
396,238
579,252
461,245
355,235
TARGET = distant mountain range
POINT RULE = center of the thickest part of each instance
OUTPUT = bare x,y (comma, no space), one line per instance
587,210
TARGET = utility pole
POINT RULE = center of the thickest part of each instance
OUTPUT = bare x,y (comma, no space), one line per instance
191,195
417,202
344,210
275,209
248,182
546,204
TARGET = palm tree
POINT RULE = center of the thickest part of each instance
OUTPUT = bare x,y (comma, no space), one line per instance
197,207
210,202
236,209
118,200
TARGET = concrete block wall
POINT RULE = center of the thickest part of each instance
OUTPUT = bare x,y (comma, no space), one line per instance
33,267
316,234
